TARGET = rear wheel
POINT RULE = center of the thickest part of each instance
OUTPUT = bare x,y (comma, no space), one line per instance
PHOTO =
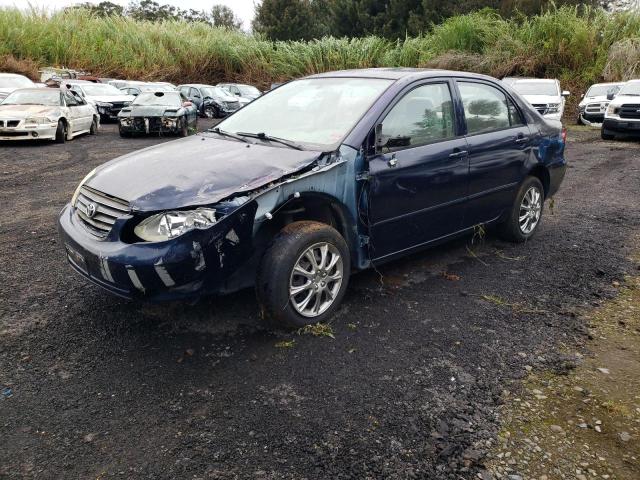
210,112
61,132
606,134
526,213
303,275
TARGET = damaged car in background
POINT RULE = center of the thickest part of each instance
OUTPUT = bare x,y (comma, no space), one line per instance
46,114
107,99
358,168
158,113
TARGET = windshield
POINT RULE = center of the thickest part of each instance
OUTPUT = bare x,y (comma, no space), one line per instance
98,89
214,92
153,87
602,90
46,96
318,112
248,90
536,88
631,88
15,82
168,99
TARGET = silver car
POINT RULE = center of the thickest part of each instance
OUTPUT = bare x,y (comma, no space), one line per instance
46,114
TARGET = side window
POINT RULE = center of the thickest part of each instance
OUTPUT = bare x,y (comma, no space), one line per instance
485,107
70,99
194,93
515,117
422,116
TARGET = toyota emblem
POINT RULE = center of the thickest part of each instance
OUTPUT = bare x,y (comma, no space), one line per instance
91,210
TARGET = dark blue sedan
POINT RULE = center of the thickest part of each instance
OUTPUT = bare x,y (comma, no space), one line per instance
320,177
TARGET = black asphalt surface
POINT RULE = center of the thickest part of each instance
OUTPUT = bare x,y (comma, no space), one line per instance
92,386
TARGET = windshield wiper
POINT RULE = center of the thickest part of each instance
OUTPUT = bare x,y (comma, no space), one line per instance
229,134
269,138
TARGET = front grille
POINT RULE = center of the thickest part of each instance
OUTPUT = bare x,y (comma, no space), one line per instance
594,108
14,134
155,123
107,210
540,107
630,110
9,123
116,107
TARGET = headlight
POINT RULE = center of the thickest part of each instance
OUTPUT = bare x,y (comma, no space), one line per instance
125,120
77,192
38,120
553,108
167,225
103,104
169,122
612,110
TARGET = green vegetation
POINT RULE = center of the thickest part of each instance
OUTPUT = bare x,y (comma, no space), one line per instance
577,45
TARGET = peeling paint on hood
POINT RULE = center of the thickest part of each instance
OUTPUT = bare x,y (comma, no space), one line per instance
198,170
24,111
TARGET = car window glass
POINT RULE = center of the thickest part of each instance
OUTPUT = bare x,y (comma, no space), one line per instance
71,101
195,93
515,117
422,116
485,107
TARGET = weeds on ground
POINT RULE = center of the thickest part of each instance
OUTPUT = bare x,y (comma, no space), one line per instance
317,330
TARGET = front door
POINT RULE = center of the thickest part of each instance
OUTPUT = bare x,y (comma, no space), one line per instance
419,180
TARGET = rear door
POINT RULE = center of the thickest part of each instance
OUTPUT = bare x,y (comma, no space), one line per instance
419,179
499,144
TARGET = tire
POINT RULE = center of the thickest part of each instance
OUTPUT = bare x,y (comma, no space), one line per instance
61,132
276,275
513,228
606,135
579,120
184,128
123,133
210,112
94,127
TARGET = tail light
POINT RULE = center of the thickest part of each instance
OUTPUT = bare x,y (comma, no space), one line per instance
564,135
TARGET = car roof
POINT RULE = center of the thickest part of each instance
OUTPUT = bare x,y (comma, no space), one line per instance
37,89
3,74
195,85
540,80
397,73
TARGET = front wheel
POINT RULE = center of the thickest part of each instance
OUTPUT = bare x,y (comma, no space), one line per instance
303,275
61,132
526,213
94,126
606,135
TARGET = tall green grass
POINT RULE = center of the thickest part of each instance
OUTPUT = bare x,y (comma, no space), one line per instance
568,43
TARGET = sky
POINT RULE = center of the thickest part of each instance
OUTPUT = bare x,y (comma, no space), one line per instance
242,8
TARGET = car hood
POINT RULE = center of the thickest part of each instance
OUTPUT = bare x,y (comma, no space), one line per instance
624,99
193,171
111,98
539,99
149,111
596,99
24,111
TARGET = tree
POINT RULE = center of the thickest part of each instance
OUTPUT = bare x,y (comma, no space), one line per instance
223,16
286,20
102,9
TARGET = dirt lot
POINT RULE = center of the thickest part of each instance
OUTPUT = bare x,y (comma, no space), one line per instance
412,385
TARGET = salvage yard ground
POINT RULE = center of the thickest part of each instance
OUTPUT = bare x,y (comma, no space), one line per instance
416,377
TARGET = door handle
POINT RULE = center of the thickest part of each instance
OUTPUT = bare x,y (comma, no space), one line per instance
459,154
393,161
521,139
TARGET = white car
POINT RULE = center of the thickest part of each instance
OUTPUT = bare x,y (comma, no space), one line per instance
544,94
594,103
623,113
12,81
46,114
107,99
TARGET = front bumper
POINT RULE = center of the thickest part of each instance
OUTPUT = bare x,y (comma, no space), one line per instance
146,125
196,263
588,118
37,132
624,126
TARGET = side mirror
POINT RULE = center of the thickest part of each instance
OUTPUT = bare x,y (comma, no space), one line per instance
611,96
566,93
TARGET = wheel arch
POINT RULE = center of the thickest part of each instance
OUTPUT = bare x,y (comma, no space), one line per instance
542,173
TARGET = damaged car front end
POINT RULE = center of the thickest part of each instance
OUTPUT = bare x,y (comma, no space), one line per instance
158,113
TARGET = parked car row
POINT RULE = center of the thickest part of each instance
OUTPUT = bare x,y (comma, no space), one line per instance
544,94
73,99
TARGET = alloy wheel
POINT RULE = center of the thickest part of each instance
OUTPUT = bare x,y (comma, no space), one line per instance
530,210
316,279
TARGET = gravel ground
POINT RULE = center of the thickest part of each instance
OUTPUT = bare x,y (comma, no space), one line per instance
410,387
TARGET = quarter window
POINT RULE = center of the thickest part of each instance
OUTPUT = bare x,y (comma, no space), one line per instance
486,108
422,116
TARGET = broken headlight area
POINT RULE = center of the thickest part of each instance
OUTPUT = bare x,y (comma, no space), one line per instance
167,225
103,107
169,122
